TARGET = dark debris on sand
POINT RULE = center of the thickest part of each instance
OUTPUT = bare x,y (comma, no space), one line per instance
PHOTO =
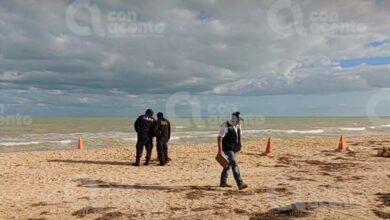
297,210
241,211
86,181
110,215
380,214
196,194
329,166
39,204
385,198
89,210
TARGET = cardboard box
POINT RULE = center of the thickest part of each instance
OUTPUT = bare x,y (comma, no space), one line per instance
222,159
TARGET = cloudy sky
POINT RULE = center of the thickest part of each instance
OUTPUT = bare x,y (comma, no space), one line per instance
207,57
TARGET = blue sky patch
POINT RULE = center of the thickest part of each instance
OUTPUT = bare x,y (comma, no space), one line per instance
370,61
378,43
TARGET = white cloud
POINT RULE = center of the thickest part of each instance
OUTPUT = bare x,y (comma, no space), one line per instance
232,50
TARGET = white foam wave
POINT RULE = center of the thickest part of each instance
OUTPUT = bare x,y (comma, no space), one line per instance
63,142
10,144
353,129
316,131
290,131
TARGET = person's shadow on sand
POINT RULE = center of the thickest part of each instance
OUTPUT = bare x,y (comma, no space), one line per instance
93,162
153,187
89,183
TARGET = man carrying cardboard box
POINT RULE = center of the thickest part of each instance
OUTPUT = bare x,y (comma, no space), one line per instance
229,143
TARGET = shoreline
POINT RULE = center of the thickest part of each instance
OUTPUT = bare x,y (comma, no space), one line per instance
203,142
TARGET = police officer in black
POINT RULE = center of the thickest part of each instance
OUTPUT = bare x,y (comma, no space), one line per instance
144,128
229,141
162,131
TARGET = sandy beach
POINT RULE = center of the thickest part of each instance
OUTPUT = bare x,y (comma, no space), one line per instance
304,178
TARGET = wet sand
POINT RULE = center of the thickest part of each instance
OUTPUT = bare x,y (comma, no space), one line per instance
304,178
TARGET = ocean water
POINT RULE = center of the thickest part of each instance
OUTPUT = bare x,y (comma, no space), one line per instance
62,133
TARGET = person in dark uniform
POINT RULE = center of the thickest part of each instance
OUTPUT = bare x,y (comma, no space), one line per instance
162,131
143,126
229,141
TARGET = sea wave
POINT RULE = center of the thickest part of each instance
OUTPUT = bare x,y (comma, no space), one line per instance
316,131
10,144
288,131
352,129
180,127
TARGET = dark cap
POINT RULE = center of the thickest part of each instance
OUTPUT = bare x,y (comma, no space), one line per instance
160,115
149,112
237,114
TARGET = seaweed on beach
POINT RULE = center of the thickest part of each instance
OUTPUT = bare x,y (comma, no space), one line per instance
40,204
385,198
110,215
86,181
200,209
285,160
177,208
297,210
241,211
328,186
89,210
381,214
196,194
295,178
344,178
279,214
255,191
330,166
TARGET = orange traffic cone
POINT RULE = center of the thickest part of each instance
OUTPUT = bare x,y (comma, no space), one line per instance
80,144
268,150
341,144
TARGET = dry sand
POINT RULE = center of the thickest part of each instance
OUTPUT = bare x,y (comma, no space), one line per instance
304,178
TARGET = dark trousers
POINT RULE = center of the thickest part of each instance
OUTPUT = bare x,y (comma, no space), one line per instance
162,150
144,141
232,165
